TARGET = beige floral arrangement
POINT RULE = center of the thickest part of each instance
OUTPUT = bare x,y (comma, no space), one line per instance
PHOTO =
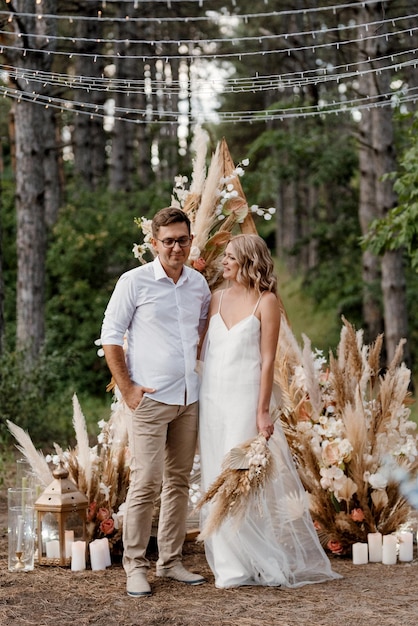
100,471
348,426
215,204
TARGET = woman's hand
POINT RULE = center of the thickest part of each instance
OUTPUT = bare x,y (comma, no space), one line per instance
265,424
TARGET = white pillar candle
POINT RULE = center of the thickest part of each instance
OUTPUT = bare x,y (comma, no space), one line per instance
375,547
78,556
20,529
97,556
52,549
106,551
406,546
69,538
360,553
389,550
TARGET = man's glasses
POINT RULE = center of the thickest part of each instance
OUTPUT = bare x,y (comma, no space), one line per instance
170,243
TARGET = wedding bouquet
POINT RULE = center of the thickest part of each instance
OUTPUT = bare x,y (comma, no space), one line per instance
245,471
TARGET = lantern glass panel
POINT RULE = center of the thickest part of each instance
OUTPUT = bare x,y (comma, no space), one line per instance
50,548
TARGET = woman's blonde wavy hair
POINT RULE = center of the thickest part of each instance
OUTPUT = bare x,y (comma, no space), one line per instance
256,268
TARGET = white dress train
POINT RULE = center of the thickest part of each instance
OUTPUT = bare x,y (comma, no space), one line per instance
276,543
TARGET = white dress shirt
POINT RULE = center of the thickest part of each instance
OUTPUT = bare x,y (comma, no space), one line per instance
162,321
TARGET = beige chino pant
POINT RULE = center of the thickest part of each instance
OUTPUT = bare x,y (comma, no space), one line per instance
162,443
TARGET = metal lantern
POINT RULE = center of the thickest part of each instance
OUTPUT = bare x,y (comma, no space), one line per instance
61,519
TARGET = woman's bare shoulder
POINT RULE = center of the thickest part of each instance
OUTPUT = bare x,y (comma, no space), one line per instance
270,303
216,296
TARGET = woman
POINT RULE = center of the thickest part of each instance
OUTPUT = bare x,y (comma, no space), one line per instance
275,543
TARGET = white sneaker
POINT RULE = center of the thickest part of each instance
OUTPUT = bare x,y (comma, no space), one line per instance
181,574
137,584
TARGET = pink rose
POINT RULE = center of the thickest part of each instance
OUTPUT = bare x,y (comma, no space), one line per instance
102,514
335,546
357,515
199,264
107,526
91,511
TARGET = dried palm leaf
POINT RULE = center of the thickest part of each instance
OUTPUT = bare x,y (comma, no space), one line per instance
83,446
35,457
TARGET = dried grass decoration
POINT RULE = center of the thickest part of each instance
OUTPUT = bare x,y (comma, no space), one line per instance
347,425
101,471
245,471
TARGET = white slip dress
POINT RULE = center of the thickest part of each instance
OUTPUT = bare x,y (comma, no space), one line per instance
276,543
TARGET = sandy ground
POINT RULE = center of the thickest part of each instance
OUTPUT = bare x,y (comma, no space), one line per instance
372,594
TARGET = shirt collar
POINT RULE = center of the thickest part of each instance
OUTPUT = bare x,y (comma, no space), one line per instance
160,273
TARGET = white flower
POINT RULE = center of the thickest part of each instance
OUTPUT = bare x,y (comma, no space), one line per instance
332,478
120,512
105,490
377,480
245,162
194,253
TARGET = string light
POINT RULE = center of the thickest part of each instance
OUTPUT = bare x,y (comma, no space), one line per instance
210,16
171,117
215,56
197,86
242,39
295,80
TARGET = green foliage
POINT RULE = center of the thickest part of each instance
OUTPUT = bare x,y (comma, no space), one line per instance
400,227
90,247
310,154
38,401
322,328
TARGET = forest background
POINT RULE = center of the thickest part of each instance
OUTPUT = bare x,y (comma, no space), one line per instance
100,101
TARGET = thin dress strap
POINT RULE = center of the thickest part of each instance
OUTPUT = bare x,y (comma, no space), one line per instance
220,300
258,302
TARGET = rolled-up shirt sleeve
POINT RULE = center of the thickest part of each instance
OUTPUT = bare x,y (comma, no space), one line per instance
119,312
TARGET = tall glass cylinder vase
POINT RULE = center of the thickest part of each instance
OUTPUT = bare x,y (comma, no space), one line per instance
21,536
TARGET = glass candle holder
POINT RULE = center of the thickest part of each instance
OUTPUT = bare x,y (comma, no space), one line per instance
21,537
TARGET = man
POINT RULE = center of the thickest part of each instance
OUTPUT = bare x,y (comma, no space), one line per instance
163,305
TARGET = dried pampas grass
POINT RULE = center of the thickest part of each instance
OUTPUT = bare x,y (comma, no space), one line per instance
343,420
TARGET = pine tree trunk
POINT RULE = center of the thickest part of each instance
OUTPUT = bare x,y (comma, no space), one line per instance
34,136
31,236
89,137
2,322
393,277
377,197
